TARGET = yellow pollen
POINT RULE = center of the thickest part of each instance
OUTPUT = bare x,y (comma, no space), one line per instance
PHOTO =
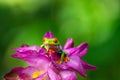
36,74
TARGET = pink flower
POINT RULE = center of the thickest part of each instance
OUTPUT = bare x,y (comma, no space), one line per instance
42,63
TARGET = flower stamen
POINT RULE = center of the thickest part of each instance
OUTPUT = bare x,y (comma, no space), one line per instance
36,74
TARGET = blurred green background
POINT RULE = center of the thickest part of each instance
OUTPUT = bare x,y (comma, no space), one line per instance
94,21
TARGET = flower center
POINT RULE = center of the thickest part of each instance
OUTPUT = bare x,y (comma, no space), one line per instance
36,74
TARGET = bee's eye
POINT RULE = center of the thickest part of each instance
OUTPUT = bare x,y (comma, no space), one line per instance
55,40
44,39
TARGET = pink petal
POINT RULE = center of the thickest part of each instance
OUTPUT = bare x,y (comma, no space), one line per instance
69,43
88,66
38,61
70,51
53,75
29,53
82,49
49,35
27,73
68,75
27,48
76,65
13,74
